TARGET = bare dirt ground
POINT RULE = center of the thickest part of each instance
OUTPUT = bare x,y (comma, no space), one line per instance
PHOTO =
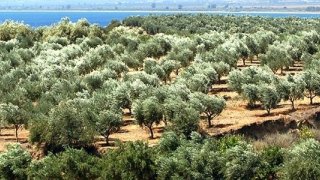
235,116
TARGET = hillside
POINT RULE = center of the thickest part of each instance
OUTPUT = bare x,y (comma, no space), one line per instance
163,97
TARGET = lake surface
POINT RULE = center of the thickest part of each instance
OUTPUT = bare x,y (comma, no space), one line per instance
103,18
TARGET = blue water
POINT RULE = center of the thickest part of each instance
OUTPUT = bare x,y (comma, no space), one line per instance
36,19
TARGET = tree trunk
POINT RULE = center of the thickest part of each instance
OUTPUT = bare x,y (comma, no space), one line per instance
209,117
244,61
292,105
151,132
251,59
16,129
177,72
311,97
219,79
269,111
165,121
209,122
130,111
107,139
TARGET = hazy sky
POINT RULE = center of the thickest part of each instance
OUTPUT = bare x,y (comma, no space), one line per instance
95,2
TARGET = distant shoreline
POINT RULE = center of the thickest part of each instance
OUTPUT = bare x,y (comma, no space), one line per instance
103,18
169,11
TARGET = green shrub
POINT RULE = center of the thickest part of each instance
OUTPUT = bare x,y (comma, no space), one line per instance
241,162
71,164
132,160
14,162
272,159
306,133
303,161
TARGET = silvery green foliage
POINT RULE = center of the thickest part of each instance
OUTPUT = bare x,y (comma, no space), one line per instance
250,75
211,106
291,88
311,78
152,80
264,39
277,56
269,97
227,53
198,77
303,161
221,68
70,164
252,43
68,125
310,36
251,92
14,162
151,66
108,122
297,47
185,120
169,66
184,56
14,115
188,159
241,162
256,84
148,112
211,40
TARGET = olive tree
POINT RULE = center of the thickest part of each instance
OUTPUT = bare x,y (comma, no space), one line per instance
212,106
291,88
152,67
250,75
14,115
185,120
242,50
241,162
227,53
312,84
183,116
236,80
297,47
252,45
168,67
269,97
198,83
69,126
277,57
147,113
183,56
264,39
221,68
251,92
122,97
108,122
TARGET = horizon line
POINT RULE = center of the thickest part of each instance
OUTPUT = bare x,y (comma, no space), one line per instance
170,11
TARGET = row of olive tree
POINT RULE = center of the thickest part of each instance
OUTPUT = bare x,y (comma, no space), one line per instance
261,85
